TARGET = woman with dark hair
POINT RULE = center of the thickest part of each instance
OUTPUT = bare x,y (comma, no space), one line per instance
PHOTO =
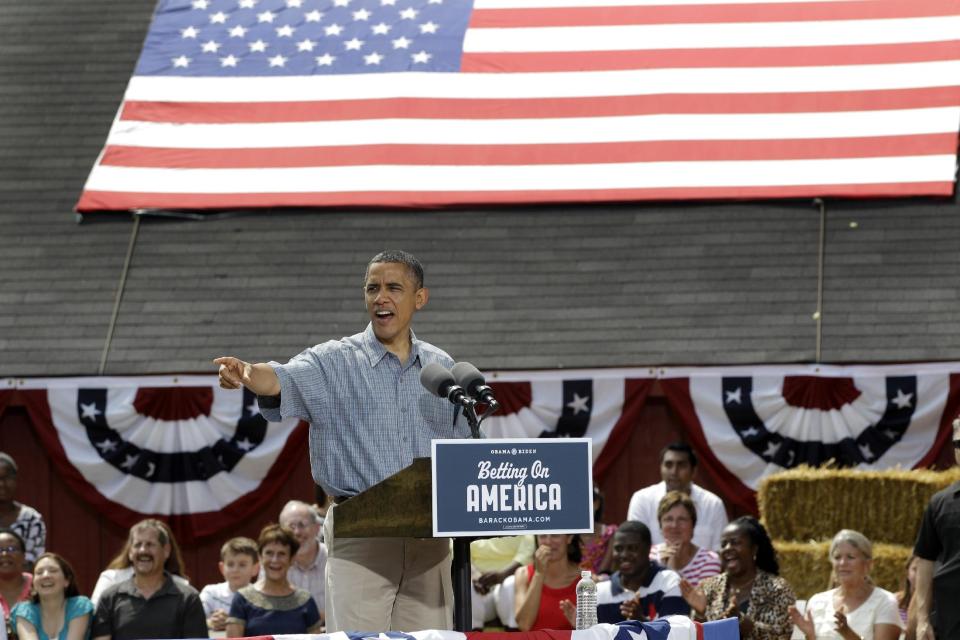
272,606
24,520
595,547
545,587
749,588
15,583
121,567
56,611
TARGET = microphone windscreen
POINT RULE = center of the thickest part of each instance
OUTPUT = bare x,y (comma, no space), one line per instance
436,379
468,376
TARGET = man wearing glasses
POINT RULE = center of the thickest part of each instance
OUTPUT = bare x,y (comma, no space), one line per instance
308,566
938,566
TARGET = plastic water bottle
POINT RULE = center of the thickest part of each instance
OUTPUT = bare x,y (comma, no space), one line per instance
586,602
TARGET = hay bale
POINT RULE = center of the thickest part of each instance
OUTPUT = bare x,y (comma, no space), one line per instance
806,565
804,504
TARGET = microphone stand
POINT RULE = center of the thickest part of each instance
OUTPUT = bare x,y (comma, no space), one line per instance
462,582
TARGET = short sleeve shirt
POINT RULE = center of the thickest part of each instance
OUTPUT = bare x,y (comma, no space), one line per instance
879,608
174,611
75,607
939,541
263,615
29,524
369,415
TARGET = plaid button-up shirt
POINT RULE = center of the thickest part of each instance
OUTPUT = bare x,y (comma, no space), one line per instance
369,415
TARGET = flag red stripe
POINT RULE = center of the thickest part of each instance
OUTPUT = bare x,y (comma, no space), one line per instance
499,109
709,14
514,62
93,200
530,154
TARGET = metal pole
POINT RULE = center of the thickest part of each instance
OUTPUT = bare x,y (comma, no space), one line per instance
120,288
462,605
818,314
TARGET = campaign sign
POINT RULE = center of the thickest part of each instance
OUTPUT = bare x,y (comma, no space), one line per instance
512,486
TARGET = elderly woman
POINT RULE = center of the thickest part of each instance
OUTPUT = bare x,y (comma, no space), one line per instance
56,611
677,516
749,588
856,609
272,606
26,521
547,589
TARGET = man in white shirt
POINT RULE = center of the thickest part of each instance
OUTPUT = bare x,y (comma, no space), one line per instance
308,568
677,464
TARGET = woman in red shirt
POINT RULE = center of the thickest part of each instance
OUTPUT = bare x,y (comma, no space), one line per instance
549,585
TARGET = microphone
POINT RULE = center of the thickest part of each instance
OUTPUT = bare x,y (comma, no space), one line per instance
441,382
470,378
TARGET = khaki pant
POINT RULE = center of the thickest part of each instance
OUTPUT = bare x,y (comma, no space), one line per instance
387,584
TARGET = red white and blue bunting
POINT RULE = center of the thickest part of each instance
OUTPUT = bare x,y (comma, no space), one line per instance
203,458
181,448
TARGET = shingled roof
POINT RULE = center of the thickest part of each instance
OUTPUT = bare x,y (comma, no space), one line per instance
558,286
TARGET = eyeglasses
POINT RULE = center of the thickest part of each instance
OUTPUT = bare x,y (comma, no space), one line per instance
11,549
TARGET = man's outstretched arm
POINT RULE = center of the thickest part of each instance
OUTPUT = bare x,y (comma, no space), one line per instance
259,378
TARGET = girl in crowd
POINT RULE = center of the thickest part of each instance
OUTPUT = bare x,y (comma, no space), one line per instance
56,611
749,588
120,568
25,521
908,608
677,516
855,609
549,585
271,605
595,547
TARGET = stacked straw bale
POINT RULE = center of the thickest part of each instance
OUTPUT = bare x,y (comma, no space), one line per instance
803,508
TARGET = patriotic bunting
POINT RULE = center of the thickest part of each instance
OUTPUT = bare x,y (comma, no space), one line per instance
187,450
418,103
669,628
204,458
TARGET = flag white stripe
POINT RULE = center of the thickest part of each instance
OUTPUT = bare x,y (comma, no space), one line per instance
547,85
851,124
506,178
713,36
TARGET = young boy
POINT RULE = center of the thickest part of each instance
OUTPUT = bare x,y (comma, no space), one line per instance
239,565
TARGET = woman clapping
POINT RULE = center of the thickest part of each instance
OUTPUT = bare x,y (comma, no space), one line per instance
856,609
749,588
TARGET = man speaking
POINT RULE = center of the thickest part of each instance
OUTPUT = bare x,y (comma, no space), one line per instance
369,418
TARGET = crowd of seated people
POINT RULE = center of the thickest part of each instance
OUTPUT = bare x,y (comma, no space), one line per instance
645,569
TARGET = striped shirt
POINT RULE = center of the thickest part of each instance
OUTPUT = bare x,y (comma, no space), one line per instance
659,596
369,415
704,564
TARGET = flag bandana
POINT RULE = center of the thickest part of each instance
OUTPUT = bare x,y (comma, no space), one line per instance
413,103
769,421
669,628
187,450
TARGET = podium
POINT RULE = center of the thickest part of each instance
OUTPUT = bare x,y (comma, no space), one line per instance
401,507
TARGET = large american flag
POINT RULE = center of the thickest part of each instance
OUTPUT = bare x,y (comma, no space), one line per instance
414,103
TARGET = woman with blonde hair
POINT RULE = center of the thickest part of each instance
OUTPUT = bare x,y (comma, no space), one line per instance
855,609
